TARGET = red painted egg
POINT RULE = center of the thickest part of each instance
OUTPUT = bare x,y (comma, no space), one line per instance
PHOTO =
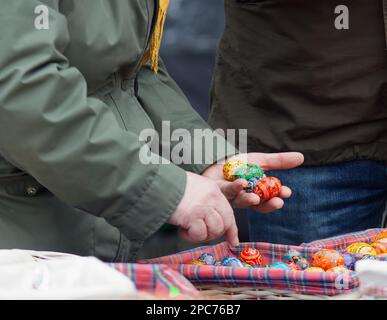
251,256
268,188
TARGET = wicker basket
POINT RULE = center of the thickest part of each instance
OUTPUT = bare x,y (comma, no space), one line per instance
237,293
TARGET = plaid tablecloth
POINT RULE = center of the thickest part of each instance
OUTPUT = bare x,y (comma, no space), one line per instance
157,281
314,283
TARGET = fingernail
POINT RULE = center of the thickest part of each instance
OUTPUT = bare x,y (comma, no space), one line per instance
234,244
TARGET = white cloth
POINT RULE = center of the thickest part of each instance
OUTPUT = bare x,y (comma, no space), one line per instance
53,276
373,277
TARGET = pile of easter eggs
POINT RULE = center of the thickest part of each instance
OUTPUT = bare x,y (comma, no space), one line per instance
325,260
322,261
249,258
265,187
329,260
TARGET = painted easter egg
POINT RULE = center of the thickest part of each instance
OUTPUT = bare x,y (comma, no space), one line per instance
251,256
248,171
230,168
381,236
361,247
349,260
314,269
327,259
280,265
268,188
295,257
339,269
293,266
379,247
231,262
208,259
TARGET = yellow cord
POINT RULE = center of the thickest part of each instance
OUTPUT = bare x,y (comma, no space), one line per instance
152,53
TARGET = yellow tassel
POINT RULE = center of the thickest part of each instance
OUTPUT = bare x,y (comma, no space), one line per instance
152,53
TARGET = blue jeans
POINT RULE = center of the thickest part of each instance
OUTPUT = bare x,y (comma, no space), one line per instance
327,201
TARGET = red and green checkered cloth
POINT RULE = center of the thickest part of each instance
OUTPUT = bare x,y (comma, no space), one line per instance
166,277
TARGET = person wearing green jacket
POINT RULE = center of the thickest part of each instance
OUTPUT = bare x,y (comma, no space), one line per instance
79,82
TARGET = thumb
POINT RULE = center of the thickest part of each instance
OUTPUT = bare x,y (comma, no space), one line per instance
232,189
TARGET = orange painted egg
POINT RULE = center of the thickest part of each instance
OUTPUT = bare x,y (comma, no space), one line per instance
384,241
379,247
268,188
380,236
327,259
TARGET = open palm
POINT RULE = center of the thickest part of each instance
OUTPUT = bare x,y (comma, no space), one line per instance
234,190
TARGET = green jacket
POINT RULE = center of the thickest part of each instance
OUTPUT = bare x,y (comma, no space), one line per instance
73,99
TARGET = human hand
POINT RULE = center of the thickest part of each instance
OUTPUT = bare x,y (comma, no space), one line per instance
204,213
234,191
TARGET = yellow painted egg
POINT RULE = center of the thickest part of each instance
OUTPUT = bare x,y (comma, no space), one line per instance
314,269
361,247
230,167
340,269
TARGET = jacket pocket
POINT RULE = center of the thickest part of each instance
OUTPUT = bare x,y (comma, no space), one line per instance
130,111
116,111
21,185
120,97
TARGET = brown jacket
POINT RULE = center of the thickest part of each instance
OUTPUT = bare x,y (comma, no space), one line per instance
297,83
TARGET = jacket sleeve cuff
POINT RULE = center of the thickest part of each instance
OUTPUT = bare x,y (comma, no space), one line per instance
156,205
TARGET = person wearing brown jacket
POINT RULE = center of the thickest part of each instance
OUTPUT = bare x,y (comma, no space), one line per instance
310,76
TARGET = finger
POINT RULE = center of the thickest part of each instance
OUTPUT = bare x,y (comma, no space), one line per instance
277,161
197,230
215,226
230,227
225,210
285,192
270,206
232,189
183,233
231,236
246,200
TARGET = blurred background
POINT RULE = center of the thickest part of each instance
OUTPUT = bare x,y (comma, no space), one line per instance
190,42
